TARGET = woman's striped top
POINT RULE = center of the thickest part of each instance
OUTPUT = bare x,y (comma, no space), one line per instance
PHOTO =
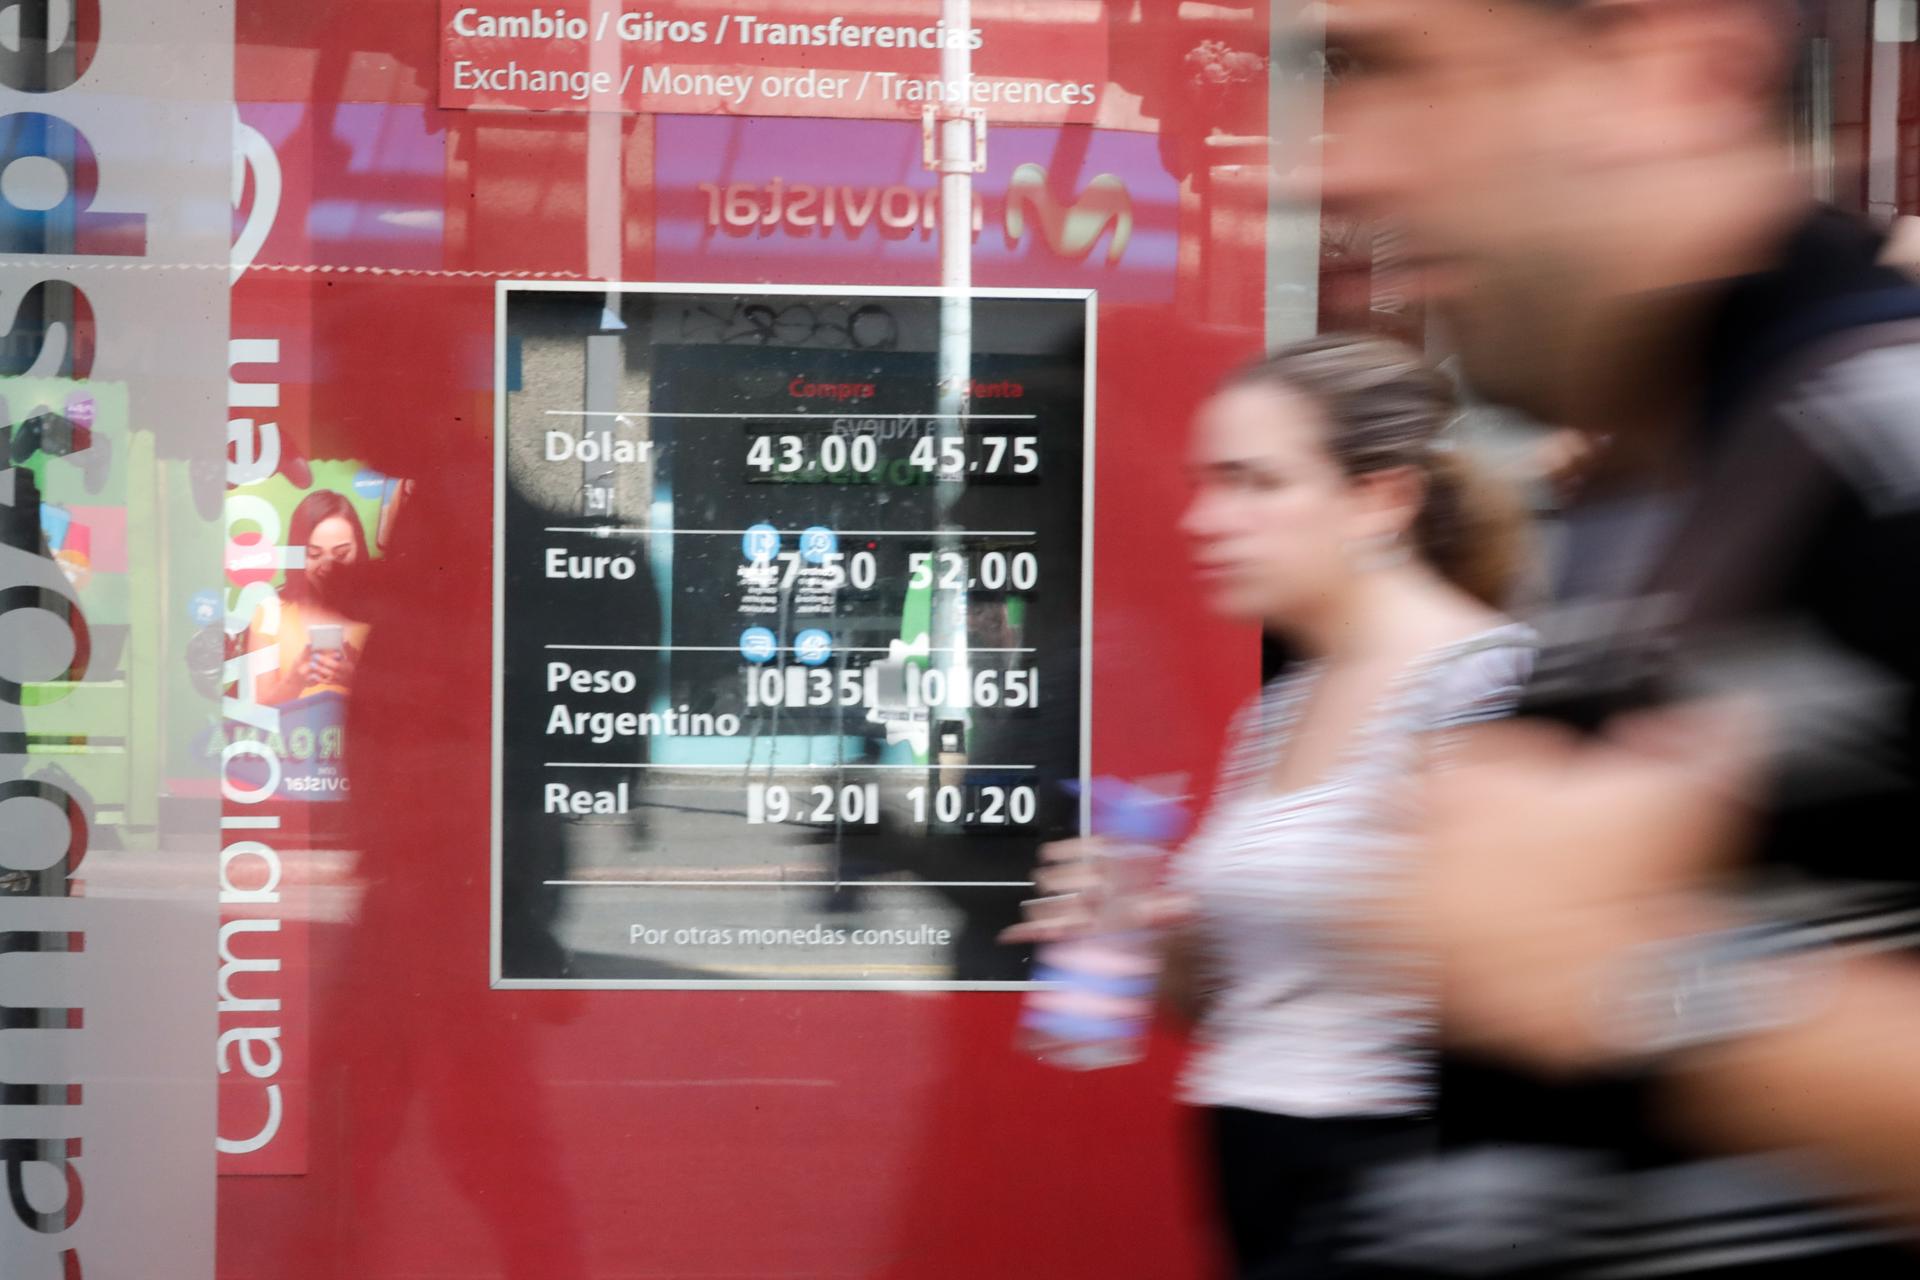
1300,1022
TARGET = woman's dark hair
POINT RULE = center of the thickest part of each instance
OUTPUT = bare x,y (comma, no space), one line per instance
1386,407
314,510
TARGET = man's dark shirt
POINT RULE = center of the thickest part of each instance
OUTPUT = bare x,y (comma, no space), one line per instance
1790,566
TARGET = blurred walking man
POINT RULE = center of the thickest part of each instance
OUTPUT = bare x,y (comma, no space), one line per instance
1671,900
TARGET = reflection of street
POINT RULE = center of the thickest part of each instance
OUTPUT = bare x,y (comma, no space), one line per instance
702,876
391,968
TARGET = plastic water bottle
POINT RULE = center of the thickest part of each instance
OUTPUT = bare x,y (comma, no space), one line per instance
1096,995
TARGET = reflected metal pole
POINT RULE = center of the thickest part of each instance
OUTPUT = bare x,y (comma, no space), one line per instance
956,160
1296,92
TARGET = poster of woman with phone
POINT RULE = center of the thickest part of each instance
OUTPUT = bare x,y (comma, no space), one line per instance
318,645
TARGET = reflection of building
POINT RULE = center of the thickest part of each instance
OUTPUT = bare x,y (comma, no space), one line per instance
1858,116
73,449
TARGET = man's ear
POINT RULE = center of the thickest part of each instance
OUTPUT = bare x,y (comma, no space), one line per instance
1690,77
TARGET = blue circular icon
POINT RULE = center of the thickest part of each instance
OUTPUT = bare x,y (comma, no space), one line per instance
369,484
757,644
762,542
204,608
817,543
813,647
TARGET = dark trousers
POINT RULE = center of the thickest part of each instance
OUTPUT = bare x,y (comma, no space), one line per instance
1285,1185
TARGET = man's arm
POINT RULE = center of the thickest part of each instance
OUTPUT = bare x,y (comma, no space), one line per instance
1838,1083
1556,861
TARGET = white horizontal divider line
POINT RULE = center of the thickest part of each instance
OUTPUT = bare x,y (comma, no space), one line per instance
734,648
761,766
843,533
824,419
792,884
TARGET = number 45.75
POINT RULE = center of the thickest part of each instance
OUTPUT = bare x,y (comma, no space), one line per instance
995,455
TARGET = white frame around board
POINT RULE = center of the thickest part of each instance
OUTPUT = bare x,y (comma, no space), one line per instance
502,291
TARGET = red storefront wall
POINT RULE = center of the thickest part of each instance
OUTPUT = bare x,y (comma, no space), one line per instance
452,1130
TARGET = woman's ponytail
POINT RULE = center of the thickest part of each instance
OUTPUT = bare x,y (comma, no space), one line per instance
1387,407
1471,527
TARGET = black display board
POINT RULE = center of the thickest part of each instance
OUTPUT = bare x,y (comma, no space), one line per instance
790,646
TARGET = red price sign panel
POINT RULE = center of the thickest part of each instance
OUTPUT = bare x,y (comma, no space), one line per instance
784,58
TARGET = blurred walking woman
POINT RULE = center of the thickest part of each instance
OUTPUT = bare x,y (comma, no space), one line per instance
1328,508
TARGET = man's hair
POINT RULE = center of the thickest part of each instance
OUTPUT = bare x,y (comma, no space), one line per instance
1800,20
1806,13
